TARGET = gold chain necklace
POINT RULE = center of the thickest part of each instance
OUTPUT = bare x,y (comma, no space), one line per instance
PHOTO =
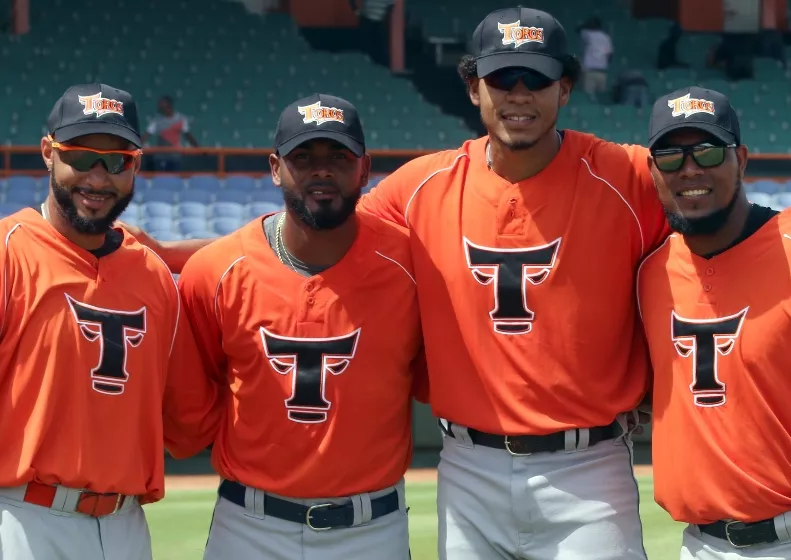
279,243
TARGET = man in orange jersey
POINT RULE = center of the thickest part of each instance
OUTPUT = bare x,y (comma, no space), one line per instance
93,346
311,317
714,299
525,245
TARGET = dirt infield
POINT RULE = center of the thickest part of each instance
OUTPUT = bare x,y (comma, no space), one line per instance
210,482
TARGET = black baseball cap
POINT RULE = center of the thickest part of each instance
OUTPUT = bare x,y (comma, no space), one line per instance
319,116
94,109
697,108
520,37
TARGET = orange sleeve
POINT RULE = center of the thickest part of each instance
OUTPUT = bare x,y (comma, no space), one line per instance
649,209
191,409
198,286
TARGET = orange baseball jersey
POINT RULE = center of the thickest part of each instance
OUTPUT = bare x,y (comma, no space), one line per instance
719,333
86,345
318,367
527,290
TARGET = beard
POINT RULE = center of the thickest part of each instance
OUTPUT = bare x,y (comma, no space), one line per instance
88,226
325,217
705,225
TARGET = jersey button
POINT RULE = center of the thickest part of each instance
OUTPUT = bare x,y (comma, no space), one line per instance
709,271
512,201
707,287
310,300
309,286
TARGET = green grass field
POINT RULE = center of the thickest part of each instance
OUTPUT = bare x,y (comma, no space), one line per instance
179,524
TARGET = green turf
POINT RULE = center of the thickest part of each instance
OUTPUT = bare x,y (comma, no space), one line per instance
179,524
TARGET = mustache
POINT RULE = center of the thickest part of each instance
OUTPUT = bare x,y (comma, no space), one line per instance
322,183
89,191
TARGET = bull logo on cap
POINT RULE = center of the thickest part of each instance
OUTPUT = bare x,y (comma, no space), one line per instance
97,105
315,113
688,106
516,35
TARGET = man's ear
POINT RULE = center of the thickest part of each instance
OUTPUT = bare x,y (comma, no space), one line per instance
274,166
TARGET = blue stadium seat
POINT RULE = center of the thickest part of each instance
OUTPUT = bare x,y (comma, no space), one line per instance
268,195
167,236
157,224
224,226
227,210
240,183
158,195
187,226
204,183
768,187
192,210
783,199
132,210
25,197
132,220
22,182
760,198
156,210
267,183
255,209
233,195
197,195
8,208
166,183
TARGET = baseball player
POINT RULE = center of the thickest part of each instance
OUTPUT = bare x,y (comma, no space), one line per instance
525,244
714,299
311,317
91,330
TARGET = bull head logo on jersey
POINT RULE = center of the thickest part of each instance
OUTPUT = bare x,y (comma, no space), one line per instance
510,272
309,360
705,341
116,332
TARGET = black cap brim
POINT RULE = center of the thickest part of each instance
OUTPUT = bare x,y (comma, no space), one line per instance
356,148
82,129
719,133
550,67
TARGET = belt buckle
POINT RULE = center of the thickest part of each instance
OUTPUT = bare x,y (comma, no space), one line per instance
512,452
308,516
97,496
728,535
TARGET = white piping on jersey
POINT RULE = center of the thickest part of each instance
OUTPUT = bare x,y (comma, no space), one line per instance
640,269
420,186
636,219
5,278
787,236
219,283
399,264
178,299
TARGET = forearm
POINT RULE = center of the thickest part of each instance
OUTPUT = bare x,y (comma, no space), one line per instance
176,253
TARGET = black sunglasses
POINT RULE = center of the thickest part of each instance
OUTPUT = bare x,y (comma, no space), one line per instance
84,159
507,78
705,155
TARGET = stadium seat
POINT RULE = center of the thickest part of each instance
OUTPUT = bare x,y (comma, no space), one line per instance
192,210
156,210
274,196
187,226
783,199
26,197
132,211
233,195
258,208
154,194
227,210
768,187
240,183
157,224
197,195
760,198
166,183
8,208
22,182
224,226
208,183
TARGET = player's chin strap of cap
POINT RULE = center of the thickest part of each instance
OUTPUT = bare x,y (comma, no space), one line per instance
322,516
743,535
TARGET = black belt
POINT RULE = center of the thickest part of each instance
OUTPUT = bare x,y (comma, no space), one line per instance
742,535
527,445
319,517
